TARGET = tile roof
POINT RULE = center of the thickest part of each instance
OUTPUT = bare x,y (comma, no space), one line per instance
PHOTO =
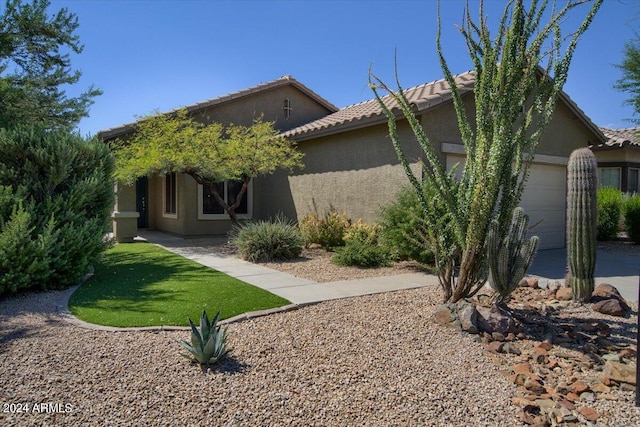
282,81
618,138
423,97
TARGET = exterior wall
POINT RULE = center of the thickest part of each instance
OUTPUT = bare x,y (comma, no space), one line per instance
269,103
625,158
355,172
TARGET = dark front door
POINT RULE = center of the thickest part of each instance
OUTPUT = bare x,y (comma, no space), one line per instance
142,201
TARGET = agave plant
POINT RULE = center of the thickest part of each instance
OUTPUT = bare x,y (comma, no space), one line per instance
209,344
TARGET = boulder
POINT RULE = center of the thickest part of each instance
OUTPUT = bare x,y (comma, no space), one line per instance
612,307
620,372
493,319
446,315
564,294
606,299
468,317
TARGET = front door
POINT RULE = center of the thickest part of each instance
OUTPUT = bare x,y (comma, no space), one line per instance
142,201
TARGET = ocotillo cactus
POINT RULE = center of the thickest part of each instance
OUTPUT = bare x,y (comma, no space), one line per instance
582,186
509,258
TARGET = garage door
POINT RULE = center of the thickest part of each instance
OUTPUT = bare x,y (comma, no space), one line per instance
544,200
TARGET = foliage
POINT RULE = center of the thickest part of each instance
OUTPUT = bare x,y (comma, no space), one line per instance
209,344
56,198
509,258
630,80
209,153
35,67
141,284
405,228
265,241
327,231
514,99
632,217
361,247
609,209
582,185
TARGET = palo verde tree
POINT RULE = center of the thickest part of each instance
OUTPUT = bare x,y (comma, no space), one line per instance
630,80
209,153
519,75
35,67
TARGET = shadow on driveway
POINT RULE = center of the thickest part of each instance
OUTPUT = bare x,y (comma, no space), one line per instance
618,270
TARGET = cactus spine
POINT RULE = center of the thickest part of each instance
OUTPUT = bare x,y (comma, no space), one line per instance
509,258
582,186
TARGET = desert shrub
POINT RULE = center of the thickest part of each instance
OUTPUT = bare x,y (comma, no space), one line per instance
327,231
361,247
632,217
264,241
609,210
56,195
404,228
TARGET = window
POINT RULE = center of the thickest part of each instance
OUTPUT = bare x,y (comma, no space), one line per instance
610,177
209,208
634,180
170,196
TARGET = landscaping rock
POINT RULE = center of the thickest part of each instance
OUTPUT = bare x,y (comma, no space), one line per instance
468,317
493,319
612,307
620,372
445,315
605,291
564,294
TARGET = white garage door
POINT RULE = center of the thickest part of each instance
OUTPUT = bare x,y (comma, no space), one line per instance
544,200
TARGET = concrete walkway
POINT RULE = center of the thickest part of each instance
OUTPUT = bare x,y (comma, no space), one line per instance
620,271
294,289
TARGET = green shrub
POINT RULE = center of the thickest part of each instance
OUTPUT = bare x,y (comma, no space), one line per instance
265,241
327,231
404,228
632,217
609,209
56,193
361,247
361,254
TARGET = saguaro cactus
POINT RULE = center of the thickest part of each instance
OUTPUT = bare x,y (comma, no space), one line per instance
509,258
582,186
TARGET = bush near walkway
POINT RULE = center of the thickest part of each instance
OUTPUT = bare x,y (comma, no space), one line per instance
56,195
632,218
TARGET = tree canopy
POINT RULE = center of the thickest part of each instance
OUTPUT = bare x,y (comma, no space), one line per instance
35,67
209,153
630,80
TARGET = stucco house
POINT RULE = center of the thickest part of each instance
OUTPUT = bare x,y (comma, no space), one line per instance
350,164
619,159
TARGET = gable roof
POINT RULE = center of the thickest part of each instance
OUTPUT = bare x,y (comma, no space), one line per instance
423,98
618,138
263,87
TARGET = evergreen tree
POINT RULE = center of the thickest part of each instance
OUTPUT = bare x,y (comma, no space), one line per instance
35,67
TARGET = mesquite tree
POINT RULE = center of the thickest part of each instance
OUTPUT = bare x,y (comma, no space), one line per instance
209,153
515,96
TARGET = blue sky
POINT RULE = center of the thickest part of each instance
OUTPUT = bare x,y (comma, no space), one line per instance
159,55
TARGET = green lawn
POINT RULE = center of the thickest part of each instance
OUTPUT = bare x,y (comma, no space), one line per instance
140,284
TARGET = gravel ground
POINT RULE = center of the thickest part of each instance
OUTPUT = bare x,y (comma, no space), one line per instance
376,360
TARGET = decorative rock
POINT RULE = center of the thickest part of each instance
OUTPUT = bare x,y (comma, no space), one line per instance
554,285
492,319
495,346
620,372
579,387
511,348
564,294
468,317
612,307
445,316
605,291
529,282
589,413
